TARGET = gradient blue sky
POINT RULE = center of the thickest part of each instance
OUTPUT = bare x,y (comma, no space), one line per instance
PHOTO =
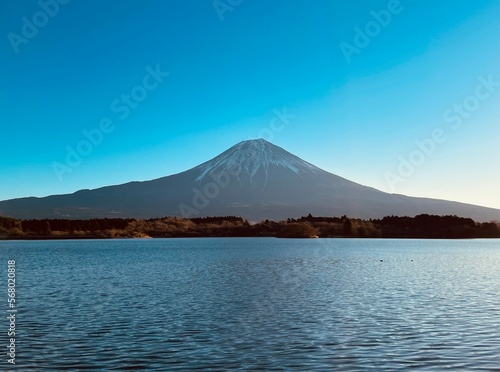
227,76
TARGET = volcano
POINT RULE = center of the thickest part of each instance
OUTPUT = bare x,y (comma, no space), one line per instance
253,179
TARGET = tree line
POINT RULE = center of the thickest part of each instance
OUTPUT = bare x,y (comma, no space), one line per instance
421,226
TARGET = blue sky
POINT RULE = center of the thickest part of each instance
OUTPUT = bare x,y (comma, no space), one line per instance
230,69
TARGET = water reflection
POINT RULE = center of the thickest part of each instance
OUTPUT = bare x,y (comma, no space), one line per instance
187,304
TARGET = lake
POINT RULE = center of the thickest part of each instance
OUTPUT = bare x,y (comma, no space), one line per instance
253,304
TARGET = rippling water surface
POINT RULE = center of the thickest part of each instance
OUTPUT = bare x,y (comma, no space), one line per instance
254,304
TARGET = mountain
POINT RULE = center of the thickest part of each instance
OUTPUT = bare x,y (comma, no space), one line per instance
253,179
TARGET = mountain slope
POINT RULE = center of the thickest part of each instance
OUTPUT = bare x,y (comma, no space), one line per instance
253,179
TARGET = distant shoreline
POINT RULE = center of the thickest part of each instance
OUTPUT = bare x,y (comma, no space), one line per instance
419,227
48,238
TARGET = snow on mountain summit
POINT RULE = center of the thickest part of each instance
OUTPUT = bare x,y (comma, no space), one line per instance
253,156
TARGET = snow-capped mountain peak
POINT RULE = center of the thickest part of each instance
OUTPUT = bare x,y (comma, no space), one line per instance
255,156
262,181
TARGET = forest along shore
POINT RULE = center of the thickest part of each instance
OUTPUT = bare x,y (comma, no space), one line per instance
421,226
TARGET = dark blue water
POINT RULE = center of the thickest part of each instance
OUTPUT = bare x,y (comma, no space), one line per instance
254,304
